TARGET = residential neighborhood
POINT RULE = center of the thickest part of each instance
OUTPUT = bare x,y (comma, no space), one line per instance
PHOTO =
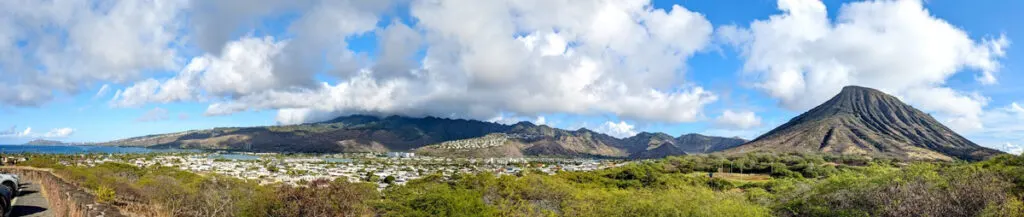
383,168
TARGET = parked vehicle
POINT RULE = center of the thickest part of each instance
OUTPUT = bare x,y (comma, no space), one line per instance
11,181
6,196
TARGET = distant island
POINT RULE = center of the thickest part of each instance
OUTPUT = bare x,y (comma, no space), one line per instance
46,142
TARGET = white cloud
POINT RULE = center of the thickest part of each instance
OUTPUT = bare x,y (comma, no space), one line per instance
65,46
14,132
738,120
802,58
156,114
505,119
27,132
511,119
11,131
1002,126
214,22
624,59
59,133
540,120
522,58
244,67
48,47
747,134
102,92
302,115
1016,108
501,119
1012,149
618,130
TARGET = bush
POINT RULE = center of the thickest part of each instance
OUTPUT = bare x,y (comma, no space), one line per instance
720,184
1013,207
919,190
801,185
322,198
105,194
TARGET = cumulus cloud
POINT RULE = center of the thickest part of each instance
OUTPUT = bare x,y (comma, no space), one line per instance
1012,149
28,133
1002,126
738,120
214,22
244,67
1016,108
14,132
65,46
156,114
523,58
540,120
302,115
802,58
618,130
59,133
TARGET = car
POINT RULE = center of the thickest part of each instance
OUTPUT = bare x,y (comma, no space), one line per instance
6,198
11,181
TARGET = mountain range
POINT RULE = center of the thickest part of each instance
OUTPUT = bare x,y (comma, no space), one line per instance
858,120
434,136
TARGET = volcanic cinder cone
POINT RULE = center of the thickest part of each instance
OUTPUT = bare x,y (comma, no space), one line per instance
866,121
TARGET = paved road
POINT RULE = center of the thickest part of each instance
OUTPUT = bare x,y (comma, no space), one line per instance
31,202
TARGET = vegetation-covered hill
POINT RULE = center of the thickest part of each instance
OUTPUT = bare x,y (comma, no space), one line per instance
742,185
658,145
866,121
430,135
355,133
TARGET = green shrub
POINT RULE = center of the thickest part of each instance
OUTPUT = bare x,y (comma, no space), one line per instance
105,194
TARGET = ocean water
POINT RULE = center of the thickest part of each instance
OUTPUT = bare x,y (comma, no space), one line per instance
76,149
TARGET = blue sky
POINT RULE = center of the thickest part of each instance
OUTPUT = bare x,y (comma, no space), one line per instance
113,69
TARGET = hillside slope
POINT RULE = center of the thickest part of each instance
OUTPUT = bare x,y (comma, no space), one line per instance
862,120
432,136
357,133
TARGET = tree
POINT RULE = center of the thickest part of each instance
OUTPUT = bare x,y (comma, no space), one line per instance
389,180
370,177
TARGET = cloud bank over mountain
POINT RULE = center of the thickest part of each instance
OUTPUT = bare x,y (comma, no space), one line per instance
520,57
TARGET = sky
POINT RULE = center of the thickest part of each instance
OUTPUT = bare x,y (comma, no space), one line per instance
98,70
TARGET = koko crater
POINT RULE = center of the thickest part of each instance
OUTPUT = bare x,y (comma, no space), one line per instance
859,120
866,121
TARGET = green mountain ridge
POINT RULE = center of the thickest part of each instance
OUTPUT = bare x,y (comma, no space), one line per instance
428,135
